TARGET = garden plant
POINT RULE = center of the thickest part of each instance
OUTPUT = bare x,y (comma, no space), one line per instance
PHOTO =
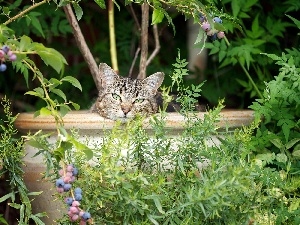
248,176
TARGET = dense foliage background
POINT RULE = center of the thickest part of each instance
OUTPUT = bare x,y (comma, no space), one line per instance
265,28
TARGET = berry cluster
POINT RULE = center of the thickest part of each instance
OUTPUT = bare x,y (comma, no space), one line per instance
212,33
6,54
64,184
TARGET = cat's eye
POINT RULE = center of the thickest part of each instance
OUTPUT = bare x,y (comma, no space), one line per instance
139,100
116,97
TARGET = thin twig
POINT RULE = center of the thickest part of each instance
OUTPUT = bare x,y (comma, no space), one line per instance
133,62
112,36
81,43
144,41
135,17
157,45
24,12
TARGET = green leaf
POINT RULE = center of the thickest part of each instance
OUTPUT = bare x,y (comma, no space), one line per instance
88,153
54,82
236,7
37,220
45,112
281,158
277,143
101,3
82,147
75,105
200,36
150,217
25,41
35,193
60,93
73,81
40,91
78,10
297,22
296,154
219,27
157,16
2,220
15,205
292,142
35,144
34,94
158,205
255,24
50,57
5,197
64,109
36,24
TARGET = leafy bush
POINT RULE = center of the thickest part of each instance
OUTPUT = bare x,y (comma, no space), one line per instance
132,176
280,108
11,154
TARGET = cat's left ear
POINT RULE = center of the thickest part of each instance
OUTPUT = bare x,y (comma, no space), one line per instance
154,81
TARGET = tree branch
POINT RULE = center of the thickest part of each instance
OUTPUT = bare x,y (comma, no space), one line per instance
81,43
112,37
157,45
24,12
133,62
144,41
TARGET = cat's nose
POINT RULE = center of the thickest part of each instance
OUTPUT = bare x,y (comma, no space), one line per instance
126,108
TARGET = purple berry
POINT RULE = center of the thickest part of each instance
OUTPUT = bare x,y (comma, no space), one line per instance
69,201
2,54
61,172
67,187
60,189
78,190
70,168
9,53
13,57
74,217
3,67
78,197
75,203
206,26
75,171
86,216
213,37
202,17
217,20
221,34
74,210
59,182
67,179
5,48
72,179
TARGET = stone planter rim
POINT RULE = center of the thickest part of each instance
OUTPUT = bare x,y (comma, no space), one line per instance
85,120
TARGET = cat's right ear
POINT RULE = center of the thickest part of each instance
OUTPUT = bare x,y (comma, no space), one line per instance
107,75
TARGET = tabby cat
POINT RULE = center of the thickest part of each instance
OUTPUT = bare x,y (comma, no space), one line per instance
123,98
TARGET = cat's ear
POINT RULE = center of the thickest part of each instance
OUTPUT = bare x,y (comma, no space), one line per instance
107,74
154,81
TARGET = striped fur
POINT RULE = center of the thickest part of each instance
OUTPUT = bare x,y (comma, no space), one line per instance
124,98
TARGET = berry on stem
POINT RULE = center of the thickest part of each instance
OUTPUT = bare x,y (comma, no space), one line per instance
2,54
86,216
3,67
5,48
206,26
13,57
217,20
221,34
59,182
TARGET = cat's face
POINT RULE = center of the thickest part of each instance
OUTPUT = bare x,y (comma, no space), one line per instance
124,98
